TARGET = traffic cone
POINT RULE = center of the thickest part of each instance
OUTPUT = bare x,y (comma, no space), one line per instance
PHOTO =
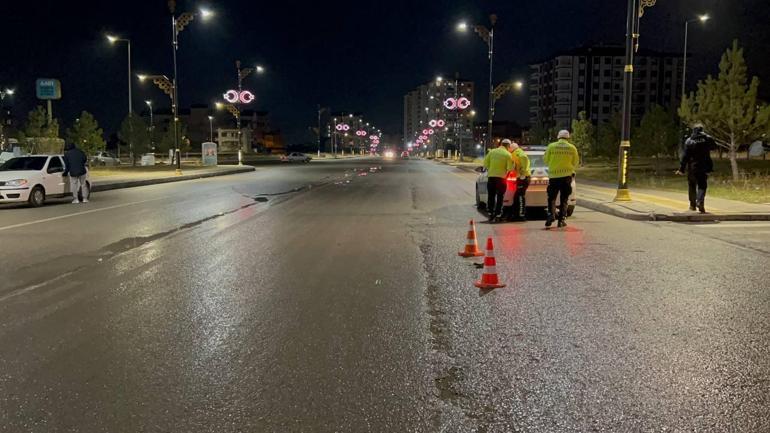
489,276
471,246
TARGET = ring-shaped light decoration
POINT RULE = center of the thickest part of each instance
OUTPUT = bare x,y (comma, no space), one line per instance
231,96
431,132
345,127
425,131
450,104
440,123
373,137
432,123
463,103
339,127
424,137
246,97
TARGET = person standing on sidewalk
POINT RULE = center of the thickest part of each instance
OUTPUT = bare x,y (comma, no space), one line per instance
523,173
75,166
498,163
562,159
696,162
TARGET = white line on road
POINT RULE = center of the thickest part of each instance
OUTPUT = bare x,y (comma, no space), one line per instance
733,226
45,220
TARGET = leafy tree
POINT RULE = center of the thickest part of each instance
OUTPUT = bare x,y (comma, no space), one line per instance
37,124
583,133
657,135
134,130
727,106
608,137
86,134
166,141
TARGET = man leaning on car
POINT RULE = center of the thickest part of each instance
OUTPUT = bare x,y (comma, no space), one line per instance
498,163
75,166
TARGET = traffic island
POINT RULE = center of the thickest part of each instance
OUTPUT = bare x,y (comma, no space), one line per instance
106,179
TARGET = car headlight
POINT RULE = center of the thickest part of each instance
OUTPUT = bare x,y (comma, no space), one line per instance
16,182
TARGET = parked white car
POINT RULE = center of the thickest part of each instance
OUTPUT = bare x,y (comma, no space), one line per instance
537,194
104,158
296,157
34,179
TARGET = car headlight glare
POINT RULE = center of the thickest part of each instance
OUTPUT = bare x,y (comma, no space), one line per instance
16,182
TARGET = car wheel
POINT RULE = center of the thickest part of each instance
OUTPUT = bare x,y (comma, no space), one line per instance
570,209
479,204
37,196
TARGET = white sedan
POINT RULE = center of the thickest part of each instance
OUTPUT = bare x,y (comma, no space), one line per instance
33,179
296,157
537,194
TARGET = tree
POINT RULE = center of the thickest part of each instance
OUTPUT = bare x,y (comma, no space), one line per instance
37,124
86,134
727,106
657,135
583,133
608,137
134,130
166,141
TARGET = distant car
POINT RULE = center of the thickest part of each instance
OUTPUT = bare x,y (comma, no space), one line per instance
295,157
34,179
537,195
389,154
404,155
104,159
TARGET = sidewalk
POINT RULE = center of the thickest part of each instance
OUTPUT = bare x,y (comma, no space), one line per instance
109,179
654,205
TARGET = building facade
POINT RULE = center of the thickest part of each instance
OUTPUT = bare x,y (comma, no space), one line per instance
427,103
590,79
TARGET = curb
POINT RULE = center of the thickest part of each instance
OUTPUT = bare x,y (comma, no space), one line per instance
636,216
144,182
461,167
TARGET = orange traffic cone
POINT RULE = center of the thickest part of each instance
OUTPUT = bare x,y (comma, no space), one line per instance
489,276
471,246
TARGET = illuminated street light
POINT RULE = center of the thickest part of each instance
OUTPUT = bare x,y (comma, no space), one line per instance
462,26
211,129
114,40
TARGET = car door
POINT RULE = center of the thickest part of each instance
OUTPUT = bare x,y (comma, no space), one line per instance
53,181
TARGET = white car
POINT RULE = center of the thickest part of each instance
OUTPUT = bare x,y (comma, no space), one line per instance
296,157
537,194
33,179
104,158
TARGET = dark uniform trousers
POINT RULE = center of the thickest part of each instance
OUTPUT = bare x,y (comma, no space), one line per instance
561,186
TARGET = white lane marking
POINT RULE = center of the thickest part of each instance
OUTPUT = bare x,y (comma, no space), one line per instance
732,226
45,220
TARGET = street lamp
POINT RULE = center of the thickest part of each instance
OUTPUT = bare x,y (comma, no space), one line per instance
488,35
177,25
114,40
152,126
243,73
211,129
634,13
164,84
702,19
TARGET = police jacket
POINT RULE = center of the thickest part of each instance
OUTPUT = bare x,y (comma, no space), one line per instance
697,154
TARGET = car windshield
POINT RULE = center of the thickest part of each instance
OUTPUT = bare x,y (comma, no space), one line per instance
31,163
536,161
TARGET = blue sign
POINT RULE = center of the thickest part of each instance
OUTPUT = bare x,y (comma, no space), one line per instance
48,88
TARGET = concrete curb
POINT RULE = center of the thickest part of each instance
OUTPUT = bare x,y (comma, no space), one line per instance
96,187
461,167
603,207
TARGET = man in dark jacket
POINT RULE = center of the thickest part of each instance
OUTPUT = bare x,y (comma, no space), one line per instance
75,166
696,162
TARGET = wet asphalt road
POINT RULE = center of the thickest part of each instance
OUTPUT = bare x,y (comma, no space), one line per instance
329,298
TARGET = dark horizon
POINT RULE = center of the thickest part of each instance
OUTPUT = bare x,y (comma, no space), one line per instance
348,56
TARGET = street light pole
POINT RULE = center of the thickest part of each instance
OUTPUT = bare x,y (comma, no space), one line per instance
113,40
491,43
152,127
702,18
211,129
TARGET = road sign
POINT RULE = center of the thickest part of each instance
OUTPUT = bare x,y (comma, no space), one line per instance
48,88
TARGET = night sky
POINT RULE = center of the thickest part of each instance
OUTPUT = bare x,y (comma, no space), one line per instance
350,55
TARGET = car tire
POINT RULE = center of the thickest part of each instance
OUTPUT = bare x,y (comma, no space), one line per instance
479,204
36,196
570,209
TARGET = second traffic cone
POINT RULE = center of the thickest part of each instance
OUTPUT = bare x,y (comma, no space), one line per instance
471,246
489,276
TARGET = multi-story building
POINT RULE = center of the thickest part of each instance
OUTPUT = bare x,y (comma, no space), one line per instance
501,129
590,79
426,103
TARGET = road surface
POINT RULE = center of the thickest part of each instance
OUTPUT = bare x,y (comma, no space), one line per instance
329,297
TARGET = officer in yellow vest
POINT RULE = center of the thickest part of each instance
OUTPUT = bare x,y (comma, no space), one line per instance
498,163
523,176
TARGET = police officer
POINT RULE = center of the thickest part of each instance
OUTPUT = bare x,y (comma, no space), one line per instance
523,172
562,158
498,163
696,162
